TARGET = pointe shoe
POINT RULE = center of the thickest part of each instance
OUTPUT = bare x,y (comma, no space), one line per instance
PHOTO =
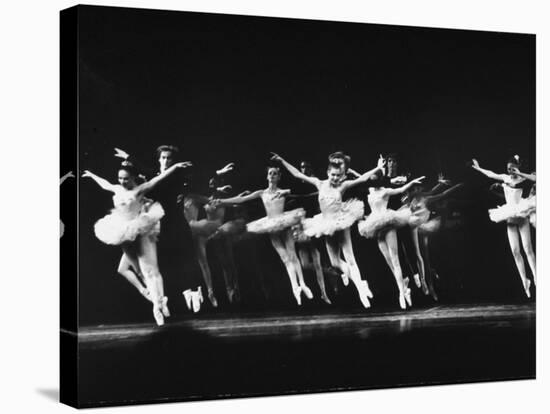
212,298
231,295
297,291
402,303
527,287
345,278
307,291
164,306
157,314
187,294
364,294
199,293
326,299
367,289
407,295
196,300
433,294
425,288
417,282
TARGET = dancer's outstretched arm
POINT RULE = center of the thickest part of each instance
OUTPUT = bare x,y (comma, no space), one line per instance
364,177
402,189
68,175
149,185
488,173
295,172
102,182
530,177
435,198
239,199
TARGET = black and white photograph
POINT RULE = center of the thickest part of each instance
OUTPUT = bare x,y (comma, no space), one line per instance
257,206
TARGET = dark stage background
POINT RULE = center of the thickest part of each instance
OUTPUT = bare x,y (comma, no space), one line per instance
232,88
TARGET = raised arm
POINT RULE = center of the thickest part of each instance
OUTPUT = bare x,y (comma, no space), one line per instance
240,199
364,177
102,182
530,177
402,189
149,185
488,173
120,153
229,167
295,172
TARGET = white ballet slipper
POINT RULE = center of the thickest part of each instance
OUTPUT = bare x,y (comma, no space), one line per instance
187,294
157,314
164,306
297,291
307,291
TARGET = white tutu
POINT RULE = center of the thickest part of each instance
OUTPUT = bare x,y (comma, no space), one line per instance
326,224
277,223
379,222
514,213
119,226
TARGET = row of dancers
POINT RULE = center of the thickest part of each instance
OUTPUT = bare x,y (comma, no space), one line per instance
157,225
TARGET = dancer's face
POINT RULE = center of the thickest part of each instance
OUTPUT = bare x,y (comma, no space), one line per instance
166,159
306,169
335,175
509,168
391,165
126,180
273,175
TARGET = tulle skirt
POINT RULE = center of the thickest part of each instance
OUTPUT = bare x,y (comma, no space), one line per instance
277,223
326,224
377,223
514,213
117,227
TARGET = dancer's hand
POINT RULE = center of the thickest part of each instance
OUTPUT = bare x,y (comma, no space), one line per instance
121,154
381,162
400,180
225,188
475,164
514,170
183,164
244,193
87,174
418,180
441,179
226,169
276,157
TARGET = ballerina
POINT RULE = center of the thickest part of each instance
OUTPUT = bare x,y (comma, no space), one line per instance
134,224
425,222
381,225
515,212
204,229
336,218
310,257
176,254
278,225
61,181
531,199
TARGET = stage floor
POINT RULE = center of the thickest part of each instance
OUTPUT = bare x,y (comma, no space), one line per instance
223,355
